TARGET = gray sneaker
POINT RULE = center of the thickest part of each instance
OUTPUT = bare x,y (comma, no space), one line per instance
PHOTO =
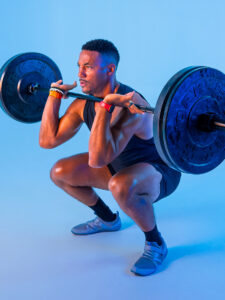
151,259
97,225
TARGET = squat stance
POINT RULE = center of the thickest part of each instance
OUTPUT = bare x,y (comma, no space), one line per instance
122,157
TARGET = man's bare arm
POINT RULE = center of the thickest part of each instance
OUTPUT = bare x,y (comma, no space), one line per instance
107,142
54,130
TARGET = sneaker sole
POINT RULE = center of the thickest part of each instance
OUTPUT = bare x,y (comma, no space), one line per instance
88,233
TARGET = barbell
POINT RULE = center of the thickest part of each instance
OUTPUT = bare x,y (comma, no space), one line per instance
189,117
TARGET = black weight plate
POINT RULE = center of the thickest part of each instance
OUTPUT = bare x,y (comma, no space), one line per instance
16,75
179,140
160,116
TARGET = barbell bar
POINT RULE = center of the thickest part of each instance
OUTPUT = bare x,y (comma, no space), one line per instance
33,88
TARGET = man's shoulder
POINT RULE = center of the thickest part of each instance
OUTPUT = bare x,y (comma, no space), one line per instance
124,89
77,107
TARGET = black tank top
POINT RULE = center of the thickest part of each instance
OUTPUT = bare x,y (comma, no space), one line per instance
137,149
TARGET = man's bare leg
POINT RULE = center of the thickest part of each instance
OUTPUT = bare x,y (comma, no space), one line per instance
135,188
76,178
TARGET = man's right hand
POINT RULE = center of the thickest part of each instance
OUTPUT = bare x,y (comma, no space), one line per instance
64,87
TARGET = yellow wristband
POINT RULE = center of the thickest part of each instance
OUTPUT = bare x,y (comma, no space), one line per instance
55,94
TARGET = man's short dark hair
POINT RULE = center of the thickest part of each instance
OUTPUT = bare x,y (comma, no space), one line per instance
103,47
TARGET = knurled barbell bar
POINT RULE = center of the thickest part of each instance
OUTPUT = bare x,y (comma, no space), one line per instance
188,119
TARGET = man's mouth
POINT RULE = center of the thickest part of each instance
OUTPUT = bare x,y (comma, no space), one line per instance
82,82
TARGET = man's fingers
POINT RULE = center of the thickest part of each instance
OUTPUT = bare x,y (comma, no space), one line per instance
133,109
130,103
64,87
128,96
70,86
57,83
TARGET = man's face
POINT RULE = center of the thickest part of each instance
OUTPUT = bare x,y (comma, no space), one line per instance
93,72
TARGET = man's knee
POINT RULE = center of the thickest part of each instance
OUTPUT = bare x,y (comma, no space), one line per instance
60,171
128,191
122,189
56,171
68,170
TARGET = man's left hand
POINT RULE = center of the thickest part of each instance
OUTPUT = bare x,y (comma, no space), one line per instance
128,100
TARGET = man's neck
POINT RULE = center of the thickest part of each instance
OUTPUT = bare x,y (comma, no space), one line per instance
110,88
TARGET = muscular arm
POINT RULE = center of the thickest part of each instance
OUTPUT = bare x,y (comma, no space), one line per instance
106,143
55,131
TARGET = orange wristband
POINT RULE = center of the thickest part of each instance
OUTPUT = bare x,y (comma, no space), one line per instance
55,94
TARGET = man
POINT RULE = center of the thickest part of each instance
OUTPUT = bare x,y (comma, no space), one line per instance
122,157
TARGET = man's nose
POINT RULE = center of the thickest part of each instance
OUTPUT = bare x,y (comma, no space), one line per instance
81,73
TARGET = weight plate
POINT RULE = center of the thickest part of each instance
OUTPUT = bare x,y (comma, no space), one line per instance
160,116
181,143
16,75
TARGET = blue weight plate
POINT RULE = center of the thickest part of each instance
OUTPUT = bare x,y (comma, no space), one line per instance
16,75
181,143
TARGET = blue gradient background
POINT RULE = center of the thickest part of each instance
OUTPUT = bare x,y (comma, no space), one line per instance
39,258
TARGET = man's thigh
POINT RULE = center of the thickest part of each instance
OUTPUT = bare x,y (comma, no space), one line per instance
147,177
75,170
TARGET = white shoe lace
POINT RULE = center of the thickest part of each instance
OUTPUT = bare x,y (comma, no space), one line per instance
153,253
94,223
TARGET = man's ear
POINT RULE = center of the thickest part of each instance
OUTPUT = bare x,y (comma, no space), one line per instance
111,69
